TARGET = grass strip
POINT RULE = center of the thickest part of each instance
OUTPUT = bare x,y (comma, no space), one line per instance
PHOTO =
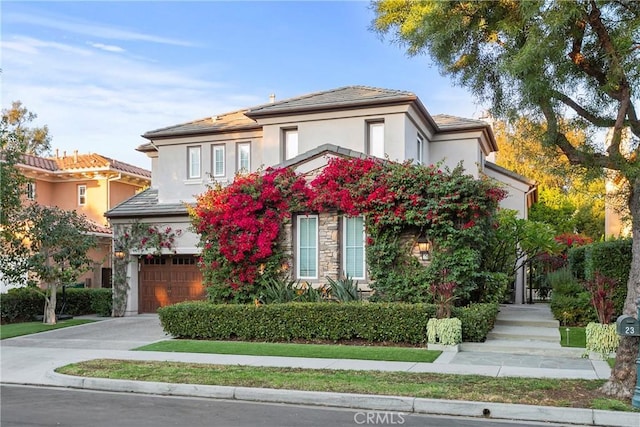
18,329
395,354
532,391
573,336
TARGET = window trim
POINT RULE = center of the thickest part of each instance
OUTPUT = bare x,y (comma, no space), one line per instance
190,171
344,247
31,190
239,158
214,149
420,149
370,125
82,195
316,253
285,133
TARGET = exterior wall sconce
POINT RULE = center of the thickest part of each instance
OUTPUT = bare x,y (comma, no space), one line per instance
118,252
424,246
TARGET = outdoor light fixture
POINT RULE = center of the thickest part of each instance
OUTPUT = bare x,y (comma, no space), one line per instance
424,246
118,252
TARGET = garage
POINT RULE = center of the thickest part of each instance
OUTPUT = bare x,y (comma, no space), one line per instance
166,280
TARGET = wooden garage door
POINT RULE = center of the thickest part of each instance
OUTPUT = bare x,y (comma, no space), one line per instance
167,280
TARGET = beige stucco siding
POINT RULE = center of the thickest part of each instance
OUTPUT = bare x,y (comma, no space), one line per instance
452,151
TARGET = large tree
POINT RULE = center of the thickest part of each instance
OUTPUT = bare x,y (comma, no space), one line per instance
53,245
569,64
18,137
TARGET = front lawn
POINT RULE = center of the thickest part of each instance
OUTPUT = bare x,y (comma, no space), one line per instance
17,329
362,352
529,391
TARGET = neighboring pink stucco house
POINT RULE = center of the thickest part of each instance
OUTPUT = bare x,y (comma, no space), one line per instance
90,184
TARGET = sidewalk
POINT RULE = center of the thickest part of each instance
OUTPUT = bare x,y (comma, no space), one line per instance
49,350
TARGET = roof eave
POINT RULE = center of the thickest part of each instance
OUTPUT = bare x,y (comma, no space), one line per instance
400,100
155,136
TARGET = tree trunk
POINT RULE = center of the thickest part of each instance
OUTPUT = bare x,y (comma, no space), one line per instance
623,376
50,306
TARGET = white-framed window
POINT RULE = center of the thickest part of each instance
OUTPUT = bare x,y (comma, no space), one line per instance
244,157
307,247
218,159
353,250
290,140
375,139
82,195
194,170
420,150
31,190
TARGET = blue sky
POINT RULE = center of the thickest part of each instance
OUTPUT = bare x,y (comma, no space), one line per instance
100,74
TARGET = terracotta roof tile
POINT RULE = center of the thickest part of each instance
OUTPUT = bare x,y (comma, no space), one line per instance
82,162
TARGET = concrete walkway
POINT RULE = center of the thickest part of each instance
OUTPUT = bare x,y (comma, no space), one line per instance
32,360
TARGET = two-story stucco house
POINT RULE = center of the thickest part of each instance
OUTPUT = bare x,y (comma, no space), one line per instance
89,184
301,132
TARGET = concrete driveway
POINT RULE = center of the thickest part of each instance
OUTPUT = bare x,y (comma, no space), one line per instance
122,333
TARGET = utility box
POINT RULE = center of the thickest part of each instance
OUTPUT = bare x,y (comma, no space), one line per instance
628,326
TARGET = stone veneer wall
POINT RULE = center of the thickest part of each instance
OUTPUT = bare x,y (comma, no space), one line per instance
329,245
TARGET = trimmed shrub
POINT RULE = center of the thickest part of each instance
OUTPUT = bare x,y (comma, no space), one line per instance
102,302
372,322
24,304
573,310
477,320
21,304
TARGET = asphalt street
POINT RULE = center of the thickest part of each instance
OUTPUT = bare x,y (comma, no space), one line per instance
23,406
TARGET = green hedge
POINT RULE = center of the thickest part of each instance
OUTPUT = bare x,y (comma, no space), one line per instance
21,305
372,322
575,256
611,258
24,304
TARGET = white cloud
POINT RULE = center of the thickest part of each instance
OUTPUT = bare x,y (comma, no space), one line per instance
107,47
94,101
88,28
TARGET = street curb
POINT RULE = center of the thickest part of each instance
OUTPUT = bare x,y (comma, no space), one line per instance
487,410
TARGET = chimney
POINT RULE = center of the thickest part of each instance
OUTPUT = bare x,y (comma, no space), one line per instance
64,154
75,156
272,98
57,153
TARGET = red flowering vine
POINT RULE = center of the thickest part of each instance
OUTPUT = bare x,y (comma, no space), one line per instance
240,224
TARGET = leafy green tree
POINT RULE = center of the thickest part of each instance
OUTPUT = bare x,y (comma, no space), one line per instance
570,200
567,64
16,121
53,244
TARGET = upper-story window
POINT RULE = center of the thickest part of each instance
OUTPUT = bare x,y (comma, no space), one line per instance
420,150
244,157
31,190
290,143
193,163
353,251
218,158
375,139
82,195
